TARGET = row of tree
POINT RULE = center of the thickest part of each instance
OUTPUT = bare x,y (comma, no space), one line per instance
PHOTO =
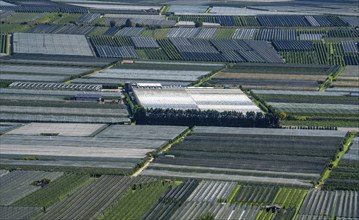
193,117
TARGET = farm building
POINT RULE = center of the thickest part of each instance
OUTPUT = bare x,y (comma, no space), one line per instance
194,98
84,97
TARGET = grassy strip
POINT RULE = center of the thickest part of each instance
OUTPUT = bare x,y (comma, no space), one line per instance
333,76
164,9
148,159
136,202
55,191
8,44
344,148
179,138
321,123
204,79
230,198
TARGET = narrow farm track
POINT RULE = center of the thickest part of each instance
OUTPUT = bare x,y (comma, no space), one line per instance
143,167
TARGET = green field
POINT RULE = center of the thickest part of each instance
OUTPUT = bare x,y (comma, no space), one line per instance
11,28
55,191
136,202
222,33
157,33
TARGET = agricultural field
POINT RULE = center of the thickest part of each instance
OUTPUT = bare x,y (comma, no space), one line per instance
61,29
136,201
213,197
273,76
54,191
113,149
51,44
23,17
348,80
345,176
12,73
332,204
159,72
18,184
82,82
235,160
77,130
195,98
171,201
37,102
314,106
89,201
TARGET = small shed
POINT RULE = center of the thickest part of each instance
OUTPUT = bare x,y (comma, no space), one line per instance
84,97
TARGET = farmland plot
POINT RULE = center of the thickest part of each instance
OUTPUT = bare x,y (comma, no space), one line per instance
55,190
345,176
23,17
116,147
61,29
6,127
59,89
212,191
276,34
92,199
145,42
350,47
193,210
243,160
139,75
185,9
171,200
130,31
245,34
293,45
302,104
18,184
51,44
352,21
142,132
58,128
46,70
11,212
46,60
255,195
339,204
274,76
127,52
282,21
87,18
137,201
4,14
55,103
348,80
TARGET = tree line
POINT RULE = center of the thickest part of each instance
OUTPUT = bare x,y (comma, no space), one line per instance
192,117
